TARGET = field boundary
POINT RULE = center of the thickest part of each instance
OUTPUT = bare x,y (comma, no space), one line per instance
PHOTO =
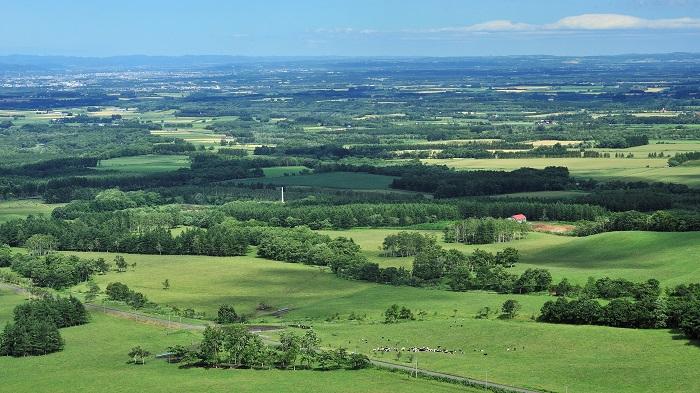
422,373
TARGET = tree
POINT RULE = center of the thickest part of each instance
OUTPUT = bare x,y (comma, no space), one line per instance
120,262
166,284
93,290
508,257
39,245
290,347
564,288
429,263
391,314
309,347
227,314
102,266
510,308
139,355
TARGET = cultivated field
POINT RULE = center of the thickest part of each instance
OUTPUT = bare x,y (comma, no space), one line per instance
21,208
151,163
629,169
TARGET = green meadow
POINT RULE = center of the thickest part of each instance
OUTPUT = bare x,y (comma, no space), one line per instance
151,163
629,169
203,283
670,257
21,208
549,357
94,359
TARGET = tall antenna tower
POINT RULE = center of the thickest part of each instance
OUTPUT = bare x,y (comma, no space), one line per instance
282,194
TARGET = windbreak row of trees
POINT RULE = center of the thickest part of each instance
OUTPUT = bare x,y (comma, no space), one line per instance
485,231
681,158
343,216
660,221
445,183
533,210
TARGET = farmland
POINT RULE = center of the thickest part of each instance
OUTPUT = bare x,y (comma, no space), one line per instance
23,208
94,361
151,193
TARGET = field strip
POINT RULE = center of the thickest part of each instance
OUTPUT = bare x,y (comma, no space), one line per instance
143,318
450,377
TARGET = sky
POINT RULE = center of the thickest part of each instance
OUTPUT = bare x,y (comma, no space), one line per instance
348,28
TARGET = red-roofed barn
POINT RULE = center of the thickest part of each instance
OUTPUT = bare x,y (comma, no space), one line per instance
519,218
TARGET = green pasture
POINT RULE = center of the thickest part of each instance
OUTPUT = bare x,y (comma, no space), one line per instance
549,357
281,171
670,257
668,147
21,208
203,283
94,359
151,163
8,301
630,169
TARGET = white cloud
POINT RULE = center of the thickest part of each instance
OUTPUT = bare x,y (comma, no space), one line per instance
580,22
494,25
619,22
570,24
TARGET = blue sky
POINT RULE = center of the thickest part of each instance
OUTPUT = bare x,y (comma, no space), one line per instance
349,28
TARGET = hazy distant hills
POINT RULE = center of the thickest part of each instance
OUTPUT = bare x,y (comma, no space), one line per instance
33,63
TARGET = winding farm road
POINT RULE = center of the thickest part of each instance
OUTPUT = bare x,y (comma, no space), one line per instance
157,321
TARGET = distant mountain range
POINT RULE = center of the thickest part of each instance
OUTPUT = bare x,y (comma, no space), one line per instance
33,63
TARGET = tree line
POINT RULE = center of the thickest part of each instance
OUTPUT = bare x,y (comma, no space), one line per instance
631,305
659,221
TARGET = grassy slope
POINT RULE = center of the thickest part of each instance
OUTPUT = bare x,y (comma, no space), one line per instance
94,359
584,358
151,163
204,283
21,208
669,257
551,357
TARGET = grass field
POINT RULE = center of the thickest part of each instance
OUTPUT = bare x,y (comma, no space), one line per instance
204,283
281,171
552,357
151,163
582,358
21,208
8,300
669,257
351,180
94,359
630,169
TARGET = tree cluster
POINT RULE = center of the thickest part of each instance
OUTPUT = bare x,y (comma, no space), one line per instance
34,330
486,231
233,346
